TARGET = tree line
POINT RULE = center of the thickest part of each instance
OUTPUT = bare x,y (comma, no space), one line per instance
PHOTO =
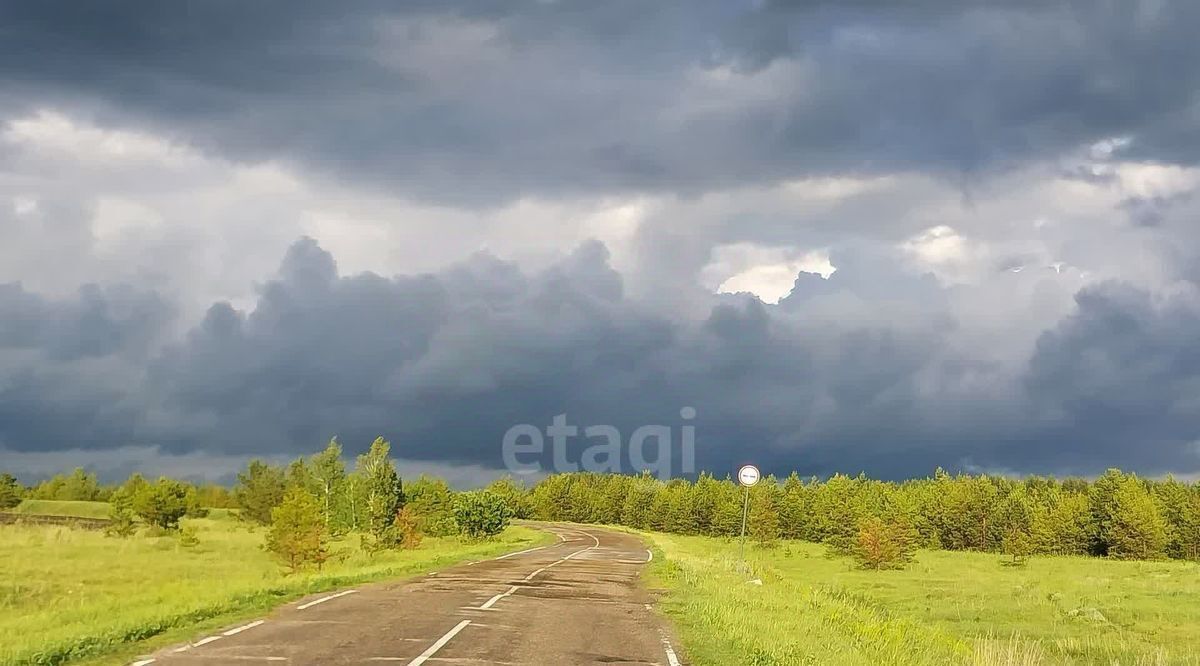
371,499
303,505
81,485
1117,515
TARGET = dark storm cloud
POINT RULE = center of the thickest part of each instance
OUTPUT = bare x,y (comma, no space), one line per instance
488,101
71,370
444,364
1119,381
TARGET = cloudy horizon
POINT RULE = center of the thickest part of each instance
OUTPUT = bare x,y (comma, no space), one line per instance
852,236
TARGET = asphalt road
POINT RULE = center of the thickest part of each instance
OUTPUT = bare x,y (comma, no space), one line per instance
576,601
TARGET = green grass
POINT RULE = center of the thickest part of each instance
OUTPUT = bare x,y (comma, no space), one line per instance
946,608
77,509
69,594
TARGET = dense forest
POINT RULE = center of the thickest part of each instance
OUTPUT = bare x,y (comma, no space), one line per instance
1116,515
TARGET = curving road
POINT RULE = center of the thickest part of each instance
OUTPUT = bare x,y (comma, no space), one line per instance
576,601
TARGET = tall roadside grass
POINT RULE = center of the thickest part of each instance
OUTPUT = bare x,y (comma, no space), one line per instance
68,594
794,605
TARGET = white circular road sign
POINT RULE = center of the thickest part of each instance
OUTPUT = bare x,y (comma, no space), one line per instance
748,475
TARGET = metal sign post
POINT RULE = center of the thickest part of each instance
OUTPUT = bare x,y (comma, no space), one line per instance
747,476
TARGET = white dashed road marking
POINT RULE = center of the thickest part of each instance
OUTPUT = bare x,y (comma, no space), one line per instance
324,599
238,630
206,641
491,602
441,642
520,552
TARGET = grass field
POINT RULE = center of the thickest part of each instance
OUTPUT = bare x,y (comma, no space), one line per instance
946,608
69,594
62,508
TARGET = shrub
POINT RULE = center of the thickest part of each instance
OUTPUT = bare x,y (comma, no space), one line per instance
297,534
883,544
164,503
188,536
480,514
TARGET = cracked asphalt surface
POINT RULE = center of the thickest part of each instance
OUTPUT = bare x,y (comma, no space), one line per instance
576,601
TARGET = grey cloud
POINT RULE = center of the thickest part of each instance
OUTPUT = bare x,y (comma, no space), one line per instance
481,102
445,363
71,369
1119,381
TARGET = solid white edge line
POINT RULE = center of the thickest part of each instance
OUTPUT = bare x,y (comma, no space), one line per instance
441,642
142,662
649,555
672,658
238,630
324,599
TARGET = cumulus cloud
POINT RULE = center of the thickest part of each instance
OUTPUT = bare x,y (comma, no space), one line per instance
844,374
852,235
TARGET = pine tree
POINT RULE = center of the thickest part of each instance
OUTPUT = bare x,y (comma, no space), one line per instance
10,491
1137,529
297,534
259,490
299,474
432,503
1018,545
407,527
1102,502
794,509
120,514
727,514
639,502
835,508
1179,504
514,495
763,520
881,544
705,496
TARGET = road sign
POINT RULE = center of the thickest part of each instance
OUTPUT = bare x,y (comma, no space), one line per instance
748,475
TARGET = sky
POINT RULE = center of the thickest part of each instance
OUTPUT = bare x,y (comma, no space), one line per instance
851,236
